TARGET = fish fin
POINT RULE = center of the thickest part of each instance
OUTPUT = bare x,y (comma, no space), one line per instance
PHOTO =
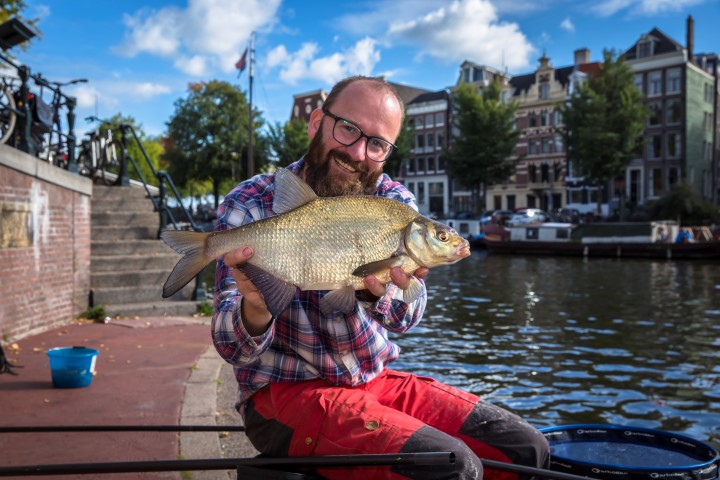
290,192
277,293
192,246
340,300
412,293
376,267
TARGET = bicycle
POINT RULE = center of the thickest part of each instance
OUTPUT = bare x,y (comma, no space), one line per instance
100,155
54,147
8,108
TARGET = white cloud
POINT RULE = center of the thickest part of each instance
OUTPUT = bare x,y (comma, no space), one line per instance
360,59
641,7
208,34
568,25
466,29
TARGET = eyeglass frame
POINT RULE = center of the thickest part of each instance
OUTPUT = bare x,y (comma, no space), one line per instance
393,147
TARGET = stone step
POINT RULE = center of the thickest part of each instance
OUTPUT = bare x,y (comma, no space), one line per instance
129,247
103,192
130,278
122,263
138,294
117,233
124,218
152,309
123,205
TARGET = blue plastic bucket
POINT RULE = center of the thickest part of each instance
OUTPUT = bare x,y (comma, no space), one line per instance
72,367
629,453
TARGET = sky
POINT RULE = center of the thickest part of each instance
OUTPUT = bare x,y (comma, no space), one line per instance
139,56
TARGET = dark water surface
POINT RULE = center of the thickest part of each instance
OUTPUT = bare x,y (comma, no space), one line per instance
570,340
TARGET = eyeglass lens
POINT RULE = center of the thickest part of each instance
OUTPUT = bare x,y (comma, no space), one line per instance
346,133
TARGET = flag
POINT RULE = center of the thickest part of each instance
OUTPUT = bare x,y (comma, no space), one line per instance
242,63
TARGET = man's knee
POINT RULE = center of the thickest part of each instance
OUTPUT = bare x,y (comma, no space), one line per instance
506,432
466,464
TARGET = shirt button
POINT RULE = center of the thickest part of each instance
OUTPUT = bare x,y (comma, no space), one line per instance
308,440
372,425
343,352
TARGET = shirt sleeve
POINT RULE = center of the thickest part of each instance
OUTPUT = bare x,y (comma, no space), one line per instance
230,338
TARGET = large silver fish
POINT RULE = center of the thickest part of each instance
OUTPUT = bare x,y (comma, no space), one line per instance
315,243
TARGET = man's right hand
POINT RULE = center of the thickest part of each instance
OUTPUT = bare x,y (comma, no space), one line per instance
254,312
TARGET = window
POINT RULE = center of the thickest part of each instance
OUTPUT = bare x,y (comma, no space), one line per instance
656,183
431,141
532,173
440,164
544,173
544,118
655,117
673,176
654,84
510,202
645,48
558,117
430,164
558,143
531,233
557,173
654,147
411,187
411,165
497,202
439,119
532,147
562,233
532,120
421,193
545,145
673,81
419,122
544,91
440,141
420,143
421,166
429,119
672,111
639,83
673,145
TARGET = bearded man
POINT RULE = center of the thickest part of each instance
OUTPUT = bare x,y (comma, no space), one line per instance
314,384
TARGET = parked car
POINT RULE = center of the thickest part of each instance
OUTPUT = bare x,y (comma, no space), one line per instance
499,217
529,215
567,215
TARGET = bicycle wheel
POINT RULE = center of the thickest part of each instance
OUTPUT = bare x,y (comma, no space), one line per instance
112,156
8,118
84,164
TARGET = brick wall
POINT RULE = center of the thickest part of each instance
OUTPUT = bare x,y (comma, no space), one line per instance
44,245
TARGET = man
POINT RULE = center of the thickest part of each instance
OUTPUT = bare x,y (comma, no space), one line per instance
313,384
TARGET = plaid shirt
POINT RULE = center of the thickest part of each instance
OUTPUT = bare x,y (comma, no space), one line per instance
302,343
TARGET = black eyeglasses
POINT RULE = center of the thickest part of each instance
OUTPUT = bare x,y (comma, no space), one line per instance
347,133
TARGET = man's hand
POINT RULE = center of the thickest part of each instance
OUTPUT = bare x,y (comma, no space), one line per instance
398,277
255,314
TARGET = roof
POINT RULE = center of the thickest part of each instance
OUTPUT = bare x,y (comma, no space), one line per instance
663,44
408,93
430,97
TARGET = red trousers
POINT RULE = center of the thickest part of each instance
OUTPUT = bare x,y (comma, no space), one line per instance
394,413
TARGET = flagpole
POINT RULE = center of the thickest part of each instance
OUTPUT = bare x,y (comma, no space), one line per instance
251,161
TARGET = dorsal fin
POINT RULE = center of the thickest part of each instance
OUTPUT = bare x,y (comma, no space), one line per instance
290,192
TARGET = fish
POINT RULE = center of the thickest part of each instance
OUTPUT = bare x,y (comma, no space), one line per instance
321,243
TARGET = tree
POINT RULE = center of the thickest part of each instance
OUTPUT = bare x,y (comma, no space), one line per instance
604,120
683,203
16,8
289,141
404,143
484,138
153,148
208,136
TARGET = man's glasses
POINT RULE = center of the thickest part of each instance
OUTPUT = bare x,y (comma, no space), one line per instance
347,133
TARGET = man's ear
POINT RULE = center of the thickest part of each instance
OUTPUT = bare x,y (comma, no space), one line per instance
315,121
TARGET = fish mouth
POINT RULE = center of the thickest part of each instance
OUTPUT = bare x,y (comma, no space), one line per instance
463,249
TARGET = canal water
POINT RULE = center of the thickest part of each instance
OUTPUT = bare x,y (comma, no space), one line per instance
570,340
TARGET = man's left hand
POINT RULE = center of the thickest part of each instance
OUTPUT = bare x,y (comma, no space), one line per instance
398,277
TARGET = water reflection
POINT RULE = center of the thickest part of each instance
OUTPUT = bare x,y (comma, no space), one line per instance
571,340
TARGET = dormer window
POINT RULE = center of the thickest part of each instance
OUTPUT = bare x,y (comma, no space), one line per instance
544,91
645,48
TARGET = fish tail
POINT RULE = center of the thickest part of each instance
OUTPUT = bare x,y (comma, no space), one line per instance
192,246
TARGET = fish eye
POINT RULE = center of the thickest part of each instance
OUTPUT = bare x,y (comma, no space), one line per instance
443,236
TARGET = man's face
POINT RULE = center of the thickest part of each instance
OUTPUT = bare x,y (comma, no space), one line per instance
333,169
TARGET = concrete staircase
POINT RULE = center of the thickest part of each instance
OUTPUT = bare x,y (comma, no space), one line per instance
128,264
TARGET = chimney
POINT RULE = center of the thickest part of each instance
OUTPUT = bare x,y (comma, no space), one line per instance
690,41
582,55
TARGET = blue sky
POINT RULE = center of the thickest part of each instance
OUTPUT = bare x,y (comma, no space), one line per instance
139,56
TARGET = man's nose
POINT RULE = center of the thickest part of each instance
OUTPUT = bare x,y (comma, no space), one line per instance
357,150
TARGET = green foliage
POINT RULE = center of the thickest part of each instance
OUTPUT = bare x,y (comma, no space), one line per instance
17,8
96,314
479,153
604,120
205,309
289,141
404,143
208,136
685,204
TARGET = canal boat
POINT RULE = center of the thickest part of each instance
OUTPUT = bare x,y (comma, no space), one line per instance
663,239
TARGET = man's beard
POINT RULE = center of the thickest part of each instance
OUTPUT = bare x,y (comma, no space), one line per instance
318,173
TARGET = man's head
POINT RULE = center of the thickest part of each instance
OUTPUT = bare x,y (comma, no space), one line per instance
367,106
